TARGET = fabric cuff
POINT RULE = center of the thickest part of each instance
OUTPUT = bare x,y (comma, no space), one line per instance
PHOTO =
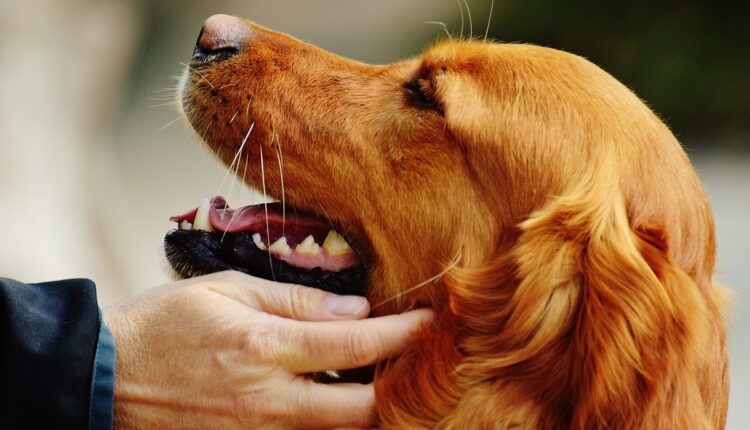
103,381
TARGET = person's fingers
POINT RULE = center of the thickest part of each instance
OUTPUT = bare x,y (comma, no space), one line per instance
292,301
302,403
310,304
348,344
329,406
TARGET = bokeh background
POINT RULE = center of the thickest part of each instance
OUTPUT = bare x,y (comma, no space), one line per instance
93,161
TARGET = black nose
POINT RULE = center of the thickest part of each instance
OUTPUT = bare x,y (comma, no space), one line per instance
221,37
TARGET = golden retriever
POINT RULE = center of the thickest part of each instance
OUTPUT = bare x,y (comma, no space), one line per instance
550,219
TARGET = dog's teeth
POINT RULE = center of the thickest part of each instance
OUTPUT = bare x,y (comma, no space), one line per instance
308,246
335,244
333,374
280,247
185,225
259,242
201,221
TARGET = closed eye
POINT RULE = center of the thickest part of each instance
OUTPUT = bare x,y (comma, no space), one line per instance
420,93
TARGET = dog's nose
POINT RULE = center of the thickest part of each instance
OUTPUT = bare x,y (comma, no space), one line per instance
221,36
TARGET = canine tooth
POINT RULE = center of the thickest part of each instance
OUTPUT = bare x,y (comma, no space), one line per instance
335,244
308,246
280,247
201,221
185,225
259,243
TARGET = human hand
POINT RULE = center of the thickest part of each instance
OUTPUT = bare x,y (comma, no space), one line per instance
229,351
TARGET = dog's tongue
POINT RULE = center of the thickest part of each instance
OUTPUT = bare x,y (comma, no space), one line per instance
256,218
293,236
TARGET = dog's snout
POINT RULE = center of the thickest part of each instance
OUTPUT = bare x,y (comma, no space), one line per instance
222,36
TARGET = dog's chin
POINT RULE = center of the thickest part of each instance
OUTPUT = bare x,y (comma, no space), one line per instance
267,242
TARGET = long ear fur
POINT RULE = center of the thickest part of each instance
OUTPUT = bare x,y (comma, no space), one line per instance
595,325
586,322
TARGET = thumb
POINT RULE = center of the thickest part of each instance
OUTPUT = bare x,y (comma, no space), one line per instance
294,301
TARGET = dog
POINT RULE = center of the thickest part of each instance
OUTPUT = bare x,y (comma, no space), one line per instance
545,213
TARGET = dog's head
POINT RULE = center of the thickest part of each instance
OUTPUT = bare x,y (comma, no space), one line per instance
549,217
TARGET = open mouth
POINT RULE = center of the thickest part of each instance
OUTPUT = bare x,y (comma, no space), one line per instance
265,241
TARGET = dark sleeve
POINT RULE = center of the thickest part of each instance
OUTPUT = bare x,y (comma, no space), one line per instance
48,340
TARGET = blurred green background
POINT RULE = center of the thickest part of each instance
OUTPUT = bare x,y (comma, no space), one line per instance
689,60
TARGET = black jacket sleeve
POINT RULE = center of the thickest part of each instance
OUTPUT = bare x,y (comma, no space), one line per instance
48,340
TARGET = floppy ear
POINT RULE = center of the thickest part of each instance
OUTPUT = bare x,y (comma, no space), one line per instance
589,316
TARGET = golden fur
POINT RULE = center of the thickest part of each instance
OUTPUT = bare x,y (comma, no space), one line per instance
578,239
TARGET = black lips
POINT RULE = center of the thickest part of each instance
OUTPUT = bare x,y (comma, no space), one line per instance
197,252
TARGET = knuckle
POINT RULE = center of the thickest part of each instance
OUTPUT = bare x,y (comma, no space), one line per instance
297,301
219,282
188,296
261,346
231,277
363,347
250,347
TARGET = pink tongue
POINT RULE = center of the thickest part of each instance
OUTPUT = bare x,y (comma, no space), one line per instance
295,226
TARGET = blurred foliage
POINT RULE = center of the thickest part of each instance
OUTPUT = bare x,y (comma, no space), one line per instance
690,61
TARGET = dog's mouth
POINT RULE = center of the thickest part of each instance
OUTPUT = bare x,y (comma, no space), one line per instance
267,241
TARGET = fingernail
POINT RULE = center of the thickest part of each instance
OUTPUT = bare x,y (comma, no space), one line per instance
345,305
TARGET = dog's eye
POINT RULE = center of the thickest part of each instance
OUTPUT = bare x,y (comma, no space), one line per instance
421,94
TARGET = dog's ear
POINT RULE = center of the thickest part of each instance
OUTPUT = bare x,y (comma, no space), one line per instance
592,314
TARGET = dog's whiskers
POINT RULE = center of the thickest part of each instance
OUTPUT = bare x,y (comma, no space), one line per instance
166,90
234,166
199,74
165,93
165,126
327,218
471,24
247,115
442,25
244,171
461,8
171,103
489,20
205,131
431,280
236,156
280,159
168,98
265,207
233,117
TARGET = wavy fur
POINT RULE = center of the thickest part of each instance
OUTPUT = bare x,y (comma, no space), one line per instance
583,294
